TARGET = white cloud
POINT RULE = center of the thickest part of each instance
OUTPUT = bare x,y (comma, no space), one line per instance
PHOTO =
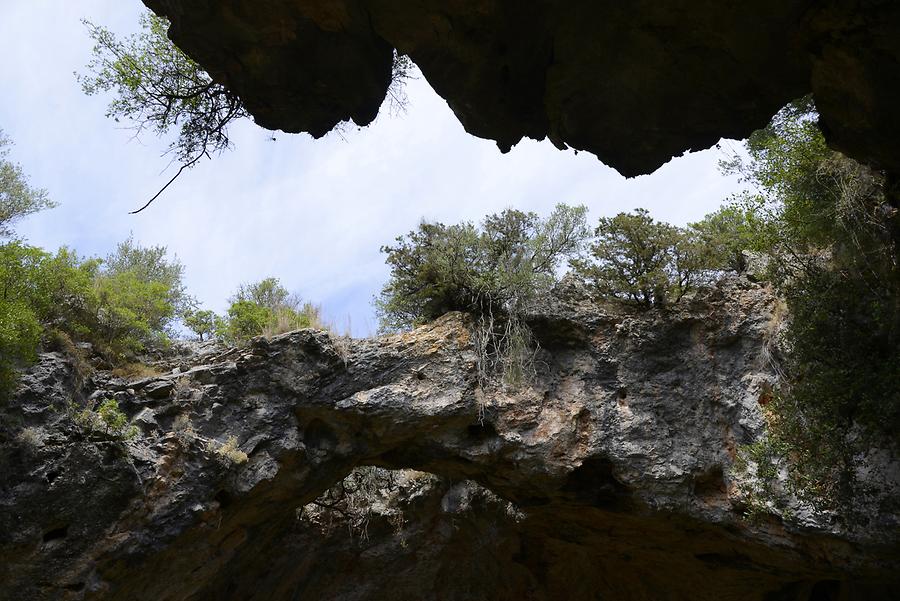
313,213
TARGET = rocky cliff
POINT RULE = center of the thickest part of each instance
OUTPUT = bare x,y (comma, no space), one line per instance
634,83
609,476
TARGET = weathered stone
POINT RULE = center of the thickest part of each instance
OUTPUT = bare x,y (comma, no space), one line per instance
608,476
635,83
159,389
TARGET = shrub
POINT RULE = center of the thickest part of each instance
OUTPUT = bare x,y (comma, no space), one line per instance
266,308
19,337
494,272
723,235
109,418
17,197
829,227
643,261
202,323
230,452
131,314
246,319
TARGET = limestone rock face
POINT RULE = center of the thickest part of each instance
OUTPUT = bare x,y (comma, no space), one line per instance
609,476
634,83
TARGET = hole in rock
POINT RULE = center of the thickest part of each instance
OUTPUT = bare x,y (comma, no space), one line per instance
825,590
74,587
595,484
223,499
51,476
56,534
481,432
710,485
319,435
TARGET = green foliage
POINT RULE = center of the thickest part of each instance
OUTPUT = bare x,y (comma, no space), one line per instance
19,337
723,235
150,264
17,197
108,419
132,313
265,308
246,319
201,322
157,86
121,309
268,293
643,261
493,272
826,223
24,299
497,268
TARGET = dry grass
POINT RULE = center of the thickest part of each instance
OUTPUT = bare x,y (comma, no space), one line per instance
30,437
230,452
59,341
135,371
184,428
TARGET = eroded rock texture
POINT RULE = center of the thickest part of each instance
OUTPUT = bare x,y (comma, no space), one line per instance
608,478
635,83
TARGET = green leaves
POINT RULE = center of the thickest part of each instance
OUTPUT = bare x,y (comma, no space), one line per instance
643,261
265,308
826,224
499,267
17,197
157,86
122,308
201,322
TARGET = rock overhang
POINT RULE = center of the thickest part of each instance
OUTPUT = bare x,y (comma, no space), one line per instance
634,83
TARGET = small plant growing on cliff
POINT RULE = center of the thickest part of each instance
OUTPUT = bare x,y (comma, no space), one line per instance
230,452
108,419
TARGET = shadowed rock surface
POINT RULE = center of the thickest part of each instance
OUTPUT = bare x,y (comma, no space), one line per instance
634,83
610,477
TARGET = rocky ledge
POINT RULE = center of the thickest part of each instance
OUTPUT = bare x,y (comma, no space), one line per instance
284,470
634,83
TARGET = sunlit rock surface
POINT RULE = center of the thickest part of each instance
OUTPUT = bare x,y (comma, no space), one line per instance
610,477
634,83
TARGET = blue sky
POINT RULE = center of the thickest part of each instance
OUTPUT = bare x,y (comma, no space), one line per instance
313,213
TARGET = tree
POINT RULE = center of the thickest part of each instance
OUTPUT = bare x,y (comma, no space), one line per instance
494,272
499,267
268,293
827,226
725,234
158,87
20,329
37,290
17,197
201,322
643,261
132,313
246,319
150,264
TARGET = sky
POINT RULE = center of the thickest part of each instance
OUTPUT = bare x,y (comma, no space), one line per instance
313,213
